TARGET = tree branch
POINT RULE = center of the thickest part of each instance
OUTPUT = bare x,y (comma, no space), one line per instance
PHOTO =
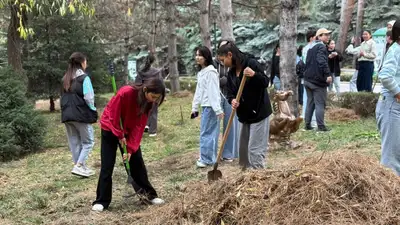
256,6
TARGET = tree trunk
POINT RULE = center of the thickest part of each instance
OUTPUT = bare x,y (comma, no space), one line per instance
14,40
346,13
172,50
288,39
360,18
204,6
226,15
154,26
359,25
126,56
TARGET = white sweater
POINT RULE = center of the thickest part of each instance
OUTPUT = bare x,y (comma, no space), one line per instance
207,90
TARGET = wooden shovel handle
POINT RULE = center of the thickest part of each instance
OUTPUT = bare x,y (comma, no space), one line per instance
228,127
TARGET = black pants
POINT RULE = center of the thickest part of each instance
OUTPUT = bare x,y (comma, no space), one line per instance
316,100
109,145
300,92
365,73
152,121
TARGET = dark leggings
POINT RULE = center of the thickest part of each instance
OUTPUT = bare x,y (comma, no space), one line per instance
109,145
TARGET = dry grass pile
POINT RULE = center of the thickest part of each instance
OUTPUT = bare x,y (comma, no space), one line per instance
344,188
342,114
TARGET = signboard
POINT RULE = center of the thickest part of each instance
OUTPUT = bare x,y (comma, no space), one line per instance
132,73
379,37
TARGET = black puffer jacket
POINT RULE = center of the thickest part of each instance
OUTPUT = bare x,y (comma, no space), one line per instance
317,68
254,105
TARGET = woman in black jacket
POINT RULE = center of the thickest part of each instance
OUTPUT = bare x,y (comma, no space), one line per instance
253,108
275,74
334,59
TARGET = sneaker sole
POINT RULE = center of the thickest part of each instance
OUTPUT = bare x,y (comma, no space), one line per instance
80,174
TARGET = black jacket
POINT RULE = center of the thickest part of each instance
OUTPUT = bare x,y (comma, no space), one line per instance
73,104
334,63
317,68
255,105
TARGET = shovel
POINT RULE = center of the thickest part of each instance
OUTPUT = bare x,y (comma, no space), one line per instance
124,151
215,174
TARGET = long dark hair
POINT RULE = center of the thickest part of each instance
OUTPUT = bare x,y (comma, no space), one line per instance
149,61
74,63
396,31
238,57
154,85
300,51
206,53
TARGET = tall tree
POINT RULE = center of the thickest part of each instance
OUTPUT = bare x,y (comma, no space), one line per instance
346,13
17,26
226,15
172,49
288,39
204,6
153,26
360,18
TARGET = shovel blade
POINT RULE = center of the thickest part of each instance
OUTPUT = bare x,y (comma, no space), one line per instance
214,175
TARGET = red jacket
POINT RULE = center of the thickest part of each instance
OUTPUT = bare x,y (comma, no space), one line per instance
125,105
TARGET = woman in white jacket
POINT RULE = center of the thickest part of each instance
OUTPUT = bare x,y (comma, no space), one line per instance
208,96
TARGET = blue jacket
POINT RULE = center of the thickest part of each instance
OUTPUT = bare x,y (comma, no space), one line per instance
390,72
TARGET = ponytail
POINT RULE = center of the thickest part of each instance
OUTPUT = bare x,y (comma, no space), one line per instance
149,60
74,63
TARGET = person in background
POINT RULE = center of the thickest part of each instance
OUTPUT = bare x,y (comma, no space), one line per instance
146,73
390,25
300,67
367,54
389,42
310,38
317,77
208,96
231,148
275,75
78,113
254,106
334,59
132,105
353,80
388,107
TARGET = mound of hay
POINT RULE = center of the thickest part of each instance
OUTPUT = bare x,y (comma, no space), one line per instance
342,114
182,94
340,189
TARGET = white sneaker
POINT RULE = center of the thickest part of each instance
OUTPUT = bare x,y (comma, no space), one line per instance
98,208
146,129
153,135
80,171
88,170
227,160
157,201
200,164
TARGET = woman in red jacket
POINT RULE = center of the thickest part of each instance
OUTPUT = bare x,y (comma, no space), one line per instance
132,104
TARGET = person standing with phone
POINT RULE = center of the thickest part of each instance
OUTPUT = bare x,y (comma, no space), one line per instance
334,59
208,96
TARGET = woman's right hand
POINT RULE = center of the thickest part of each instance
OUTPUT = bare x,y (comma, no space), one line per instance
122,142
235,104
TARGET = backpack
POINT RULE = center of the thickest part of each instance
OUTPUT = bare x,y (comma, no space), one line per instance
300,69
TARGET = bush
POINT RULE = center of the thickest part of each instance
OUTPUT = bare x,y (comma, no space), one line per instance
185,83
21,128
363,103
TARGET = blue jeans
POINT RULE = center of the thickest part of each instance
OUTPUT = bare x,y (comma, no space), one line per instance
277,83
209,132
388,121
231,149
303,113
